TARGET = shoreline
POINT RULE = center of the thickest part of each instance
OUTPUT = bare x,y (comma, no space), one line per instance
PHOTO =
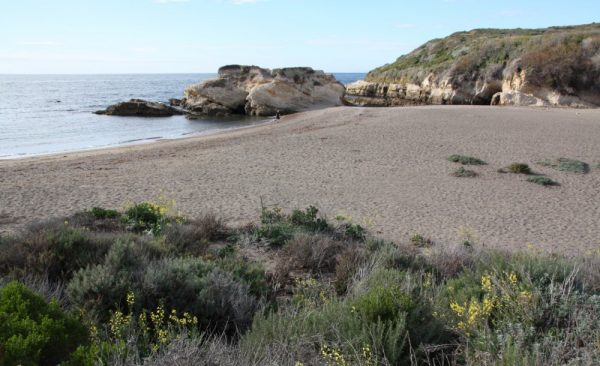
382,165
136,142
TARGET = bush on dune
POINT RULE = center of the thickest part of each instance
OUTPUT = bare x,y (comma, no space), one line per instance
53,250
194,236
466,160
567,165
351,299
34,332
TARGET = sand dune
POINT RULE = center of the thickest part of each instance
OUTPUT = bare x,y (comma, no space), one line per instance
384,166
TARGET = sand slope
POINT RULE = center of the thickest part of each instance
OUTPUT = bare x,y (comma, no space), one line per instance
387,166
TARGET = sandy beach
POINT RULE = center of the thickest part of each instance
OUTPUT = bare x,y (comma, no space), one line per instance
384,167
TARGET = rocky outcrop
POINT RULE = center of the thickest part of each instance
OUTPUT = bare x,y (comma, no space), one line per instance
140,108
174,102
540,67
255,91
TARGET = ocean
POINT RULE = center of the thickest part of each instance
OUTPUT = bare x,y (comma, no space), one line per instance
48,114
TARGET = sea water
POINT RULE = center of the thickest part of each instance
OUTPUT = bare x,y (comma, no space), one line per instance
47,114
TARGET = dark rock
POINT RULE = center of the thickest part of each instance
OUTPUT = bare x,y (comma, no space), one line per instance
174,102
140,108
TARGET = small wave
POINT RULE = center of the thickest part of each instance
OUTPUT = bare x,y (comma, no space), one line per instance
143,139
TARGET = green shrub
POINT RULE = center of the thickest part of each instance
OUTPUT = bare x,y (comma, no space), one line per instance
224,294
53,250
464,173
101,288
519,168
250,273
567,165
420,241
314,252
194,236
466,160
348,262
541,180
102,213
149,217
33,332
383,304
353,231
309,220
277,234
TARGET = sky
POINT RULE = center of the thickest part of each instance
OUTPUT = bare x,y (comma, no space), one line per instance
195,36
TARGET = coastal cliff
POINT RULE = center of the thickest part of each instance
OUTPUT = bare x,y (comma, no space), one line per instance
255,91
524,67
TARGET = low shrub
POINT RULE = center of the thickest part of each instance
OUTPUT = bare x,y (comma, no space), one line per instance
313,252
103,288
149,217
222,301
33,332
566,165
466,160
194,236
53,250
420,241
278,228
102,213
348,262
309,219
464,173
277,234
519,168
224,294
346,229
541,180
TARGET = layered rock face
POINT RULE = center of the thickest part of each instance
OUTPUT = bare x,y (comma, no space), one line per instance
255,91
140,108
542,67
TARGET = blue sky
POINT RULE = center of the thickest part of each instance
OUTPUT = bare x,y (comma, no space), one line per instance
170,36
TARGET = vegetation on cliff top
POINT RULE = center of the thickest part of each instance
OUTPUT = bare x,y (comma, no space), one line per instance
557,57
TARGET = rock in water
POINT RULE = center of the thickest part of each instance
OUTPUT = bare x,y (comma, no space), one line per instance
140,108
174,102
256,91
558,66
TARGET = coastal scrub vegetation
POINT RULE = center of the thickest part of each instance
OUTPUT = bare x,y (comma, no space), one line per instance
562,58
542,180
519,168
466,160
464,173
148,286
566,165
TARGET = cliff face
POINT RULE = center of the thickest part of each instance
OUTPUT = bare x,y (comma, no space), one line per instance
540,67
256,91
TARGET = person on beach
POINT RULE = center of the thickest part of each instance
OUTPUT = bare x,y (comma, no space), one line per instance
277,115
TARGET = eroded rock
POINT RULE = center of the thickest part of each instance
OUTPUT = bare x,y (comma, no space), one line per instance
140,108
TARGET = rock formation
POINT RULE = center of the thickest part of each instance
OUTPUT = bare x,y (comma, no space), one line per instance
140,108
255,91
540,67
